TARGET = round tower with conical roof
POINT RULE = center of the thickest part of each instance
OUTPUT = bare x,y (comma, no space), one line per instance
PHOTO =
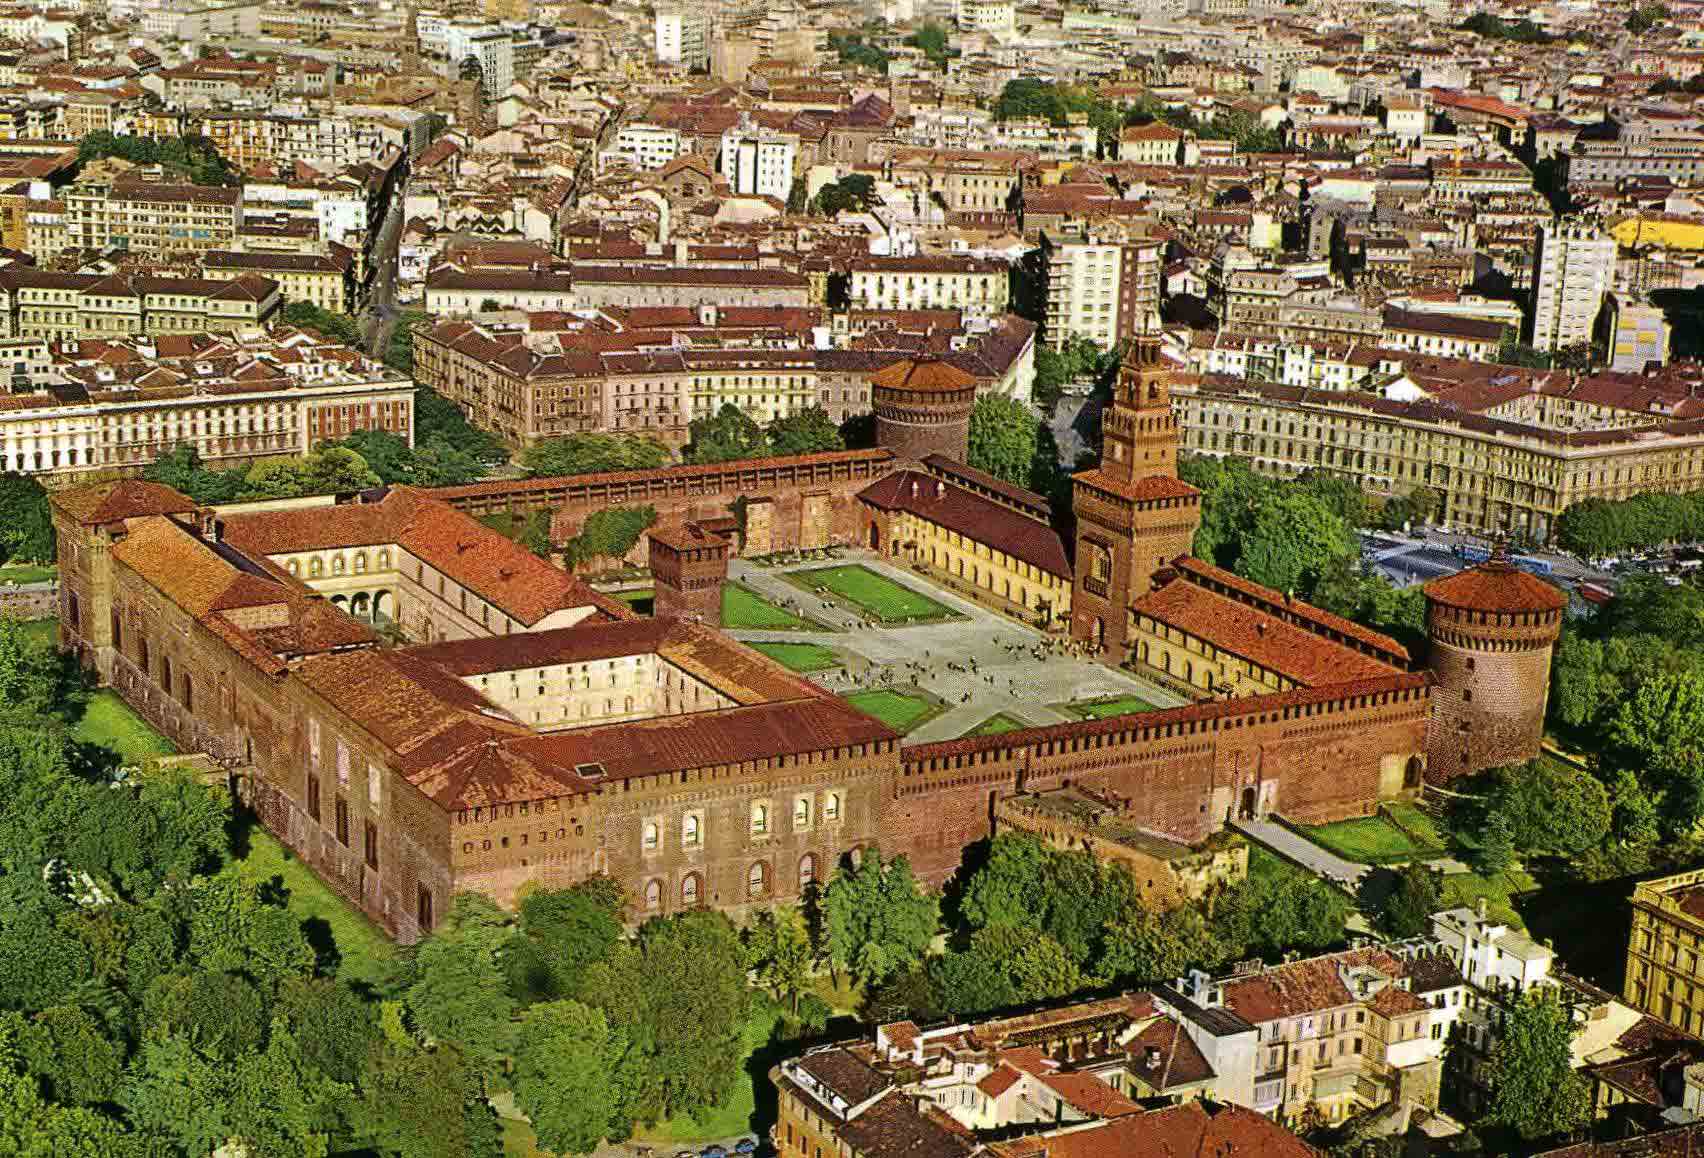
1491,630
923,407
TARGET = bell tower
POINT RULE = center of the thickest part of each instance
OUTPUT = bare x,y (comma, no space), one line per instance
1134,514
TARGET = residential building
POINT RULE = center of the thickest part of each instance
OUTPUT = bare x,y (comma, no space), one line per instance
45,304
119,403
991,17
1105,288
1573,269
303,277
109,206
1665,951
682,34
928,283
759,161
1638,334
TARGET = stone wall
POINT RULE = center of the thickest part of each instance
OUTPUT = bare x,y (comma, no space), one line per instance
34,602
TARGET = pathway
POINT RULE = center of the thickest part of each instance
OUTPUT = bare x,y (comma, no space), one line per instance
1006,676
1301,851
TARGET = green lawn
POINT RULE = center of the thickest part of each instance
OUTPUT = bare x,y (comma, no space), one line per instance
734,1115
900,711
27,573
1419,823
873,593
801,657
1465,889
109,722
1266,864
1369,840
997,723
1110,706
744,608
364,950
42,631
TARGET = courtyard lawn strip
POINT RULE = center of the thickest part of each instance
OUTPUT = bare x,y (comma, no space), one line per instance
901,711
1369,840
1109,706
745,609
873,593
996,724
800,657
364,952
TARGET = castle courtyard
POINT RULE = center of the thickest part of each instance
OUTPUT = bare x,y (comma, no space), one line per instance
992,659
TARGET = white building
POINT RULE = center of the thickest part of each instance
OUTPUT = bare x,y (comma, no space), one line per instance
1105,289
994,17
645,146
758,161
1574,266
683,35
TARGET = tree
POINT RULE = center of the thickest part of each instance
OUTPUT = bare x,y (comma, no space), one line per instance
420,1102
1534,1087
32,1126
778,948
181,469
192,157
436,417
810,431
1647,16
335,327
26,522
67,1048
932,39
1659,731
878,920
1496,843
1634,817
1416,895
727,435
1143,946
568,1076
1551,807
235,926
35,679
968,982
460,993
592,454
609,533
572,929
1289,541
1003,439
387,455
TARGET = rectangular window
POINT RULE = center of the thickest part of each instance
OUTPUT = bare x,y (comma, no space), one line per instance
313,797
372,845
343,822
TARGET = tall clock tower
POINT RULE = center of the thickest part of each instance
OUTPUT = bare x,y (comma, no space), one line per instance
1133,513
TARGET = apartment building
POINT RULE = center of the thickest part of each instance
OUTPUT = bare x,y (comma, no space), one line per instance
1493,474
59,306
758,161
1638,334
990,17
681,34
303,277
1104,288
1574,267
109,206
645,146
1665,951
928,283
122,402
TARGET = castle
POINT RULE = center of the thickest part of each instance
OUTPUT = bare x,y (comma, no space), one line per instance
531,729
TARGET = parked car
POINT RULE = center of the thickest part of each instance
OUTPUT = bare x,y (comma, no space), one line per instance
714,1152
745,1146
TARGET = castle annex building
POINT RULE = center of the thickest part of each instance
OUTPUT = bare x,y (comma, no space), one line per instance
418,706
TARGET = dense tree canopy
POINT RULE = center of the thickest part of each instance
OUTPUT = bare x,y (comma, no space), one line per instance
26,521
592,454
192,157
878,920
1535,1090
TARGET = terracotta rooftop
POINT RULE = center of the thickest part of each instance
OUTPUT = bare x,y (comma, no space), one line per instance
1312,985
1192,1130
981,519
114,502
923,375
1201,571
1497,586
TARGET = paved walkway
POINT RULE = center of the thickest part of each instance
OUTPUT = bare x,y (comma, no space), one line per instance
1299,850
999,670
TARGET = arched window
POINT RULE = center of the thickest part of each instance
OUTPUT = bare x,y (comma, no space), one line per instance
759,819
337,564
652,837
188,693
384,560
117,633
831,806
757,881
691,830
807,871
360,562
653,894
166,674
294,566
802,812
316,567
690,890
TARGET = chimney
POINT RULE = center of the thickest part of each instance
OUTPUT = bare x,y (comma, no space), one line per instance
1151,1057
1479,907
210,525
940,489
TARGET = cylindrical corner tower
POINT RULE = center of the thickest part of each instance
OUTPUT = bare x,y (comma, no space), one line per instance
923,407
1491,630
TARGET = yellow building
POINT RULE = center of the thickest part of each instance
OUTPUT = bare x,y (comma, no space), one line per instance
1210,634
974,534
1659,232
928,283
1665,952
304,277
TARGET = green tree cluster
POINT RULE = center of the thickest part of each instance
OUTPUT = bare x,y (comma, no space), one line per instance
1078,359
853,48
332,469
1597,528
1027,97
935,42
308,316
26,521
853,193
1009,442
1495,28
193,157
1647,16
1535,1089
609,533
731,434
592,454
436,419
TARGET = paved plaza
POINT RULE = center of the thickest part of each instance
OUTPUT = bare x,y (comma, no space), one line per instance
993,659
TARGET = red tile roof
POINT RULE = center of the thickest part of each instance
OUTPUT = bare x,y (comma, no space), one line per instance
982,520
1191,1130
1496,586
114,502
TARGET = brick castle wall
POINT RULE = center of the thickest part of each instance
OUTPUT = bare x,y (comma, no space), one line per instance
1493,684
